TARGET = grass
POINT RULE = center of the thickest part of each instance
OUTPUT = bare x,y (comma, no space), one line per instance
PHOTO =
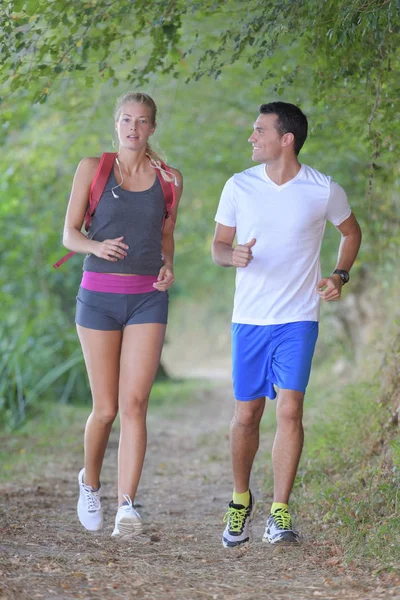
58,429
349,474
349,481
179,391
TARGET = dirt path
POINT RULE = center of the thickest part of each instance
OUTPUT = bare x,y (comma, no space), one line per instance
185,488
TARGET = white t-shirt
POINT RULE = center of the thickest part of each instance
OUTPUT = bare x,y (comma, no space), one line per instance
288,221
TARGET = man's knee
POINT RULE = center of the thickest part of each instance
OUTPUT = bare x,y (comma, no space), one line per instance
248,414
290,407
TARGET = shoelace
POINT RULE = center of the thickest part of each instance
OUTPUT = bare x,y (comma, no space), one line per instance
92,498
282,519
236,518
127,499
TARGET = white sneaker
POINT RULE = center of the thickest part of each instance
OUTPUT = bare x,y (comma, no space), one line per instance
238,520
279,529
128,522
89,507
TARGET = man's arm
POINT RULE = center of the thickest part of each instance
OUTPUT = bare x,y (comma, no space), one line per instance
223,252
348,250
350,243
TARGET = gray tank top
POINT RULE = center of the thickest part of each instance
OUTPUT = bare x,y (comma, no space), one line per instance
138,217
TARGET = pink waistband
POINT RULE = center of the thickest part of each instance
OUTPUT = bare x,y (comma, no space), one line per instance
117,284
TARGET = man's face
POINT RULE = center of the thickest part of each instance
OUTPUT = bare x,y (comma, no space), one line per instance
266,141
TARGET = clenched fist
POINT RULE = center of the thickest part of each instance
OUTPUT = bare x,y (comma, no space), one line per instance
242,254
330,288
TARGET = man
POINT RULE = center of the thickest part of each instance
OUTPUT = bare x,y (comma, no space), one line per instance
278,211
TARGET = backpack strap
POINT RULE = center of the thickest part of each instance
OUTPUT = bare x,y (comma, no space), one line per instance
98,184
96,190
169,192
63,259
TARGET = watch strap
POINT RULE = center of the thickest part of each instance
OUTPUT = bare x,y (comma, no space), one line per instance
344,275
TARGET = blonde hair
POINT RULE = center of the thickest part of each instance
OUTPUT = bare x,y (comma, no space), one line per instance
140,98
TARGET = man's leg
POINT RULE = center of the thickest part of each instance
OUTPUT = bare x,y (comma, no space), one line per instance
288,442
250,361
294,345
286,453
244,440
244,437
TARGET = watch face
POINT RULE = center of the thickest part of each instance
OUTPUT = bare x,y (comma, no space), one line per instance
344,276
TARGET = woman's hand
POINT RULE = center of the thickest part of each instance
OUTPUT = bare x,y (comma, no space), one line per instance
165,278
111,250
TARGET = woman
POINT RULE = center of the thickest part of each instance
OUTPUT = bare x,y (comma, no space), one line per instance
122,303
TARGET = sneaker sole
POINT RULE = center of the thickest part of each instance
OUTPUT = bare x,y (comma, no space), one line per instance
288,539
127,529
229,544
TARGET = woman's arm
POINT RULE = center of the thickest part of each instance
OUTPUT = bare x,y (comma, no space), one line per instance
166,275
73,238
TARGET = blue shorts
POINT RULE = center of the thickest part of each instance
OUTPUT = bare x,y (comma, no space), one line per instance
268,355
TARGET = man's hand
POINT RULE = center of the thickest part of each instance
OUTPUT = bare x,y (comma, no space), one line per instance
242,254
165,278
333,288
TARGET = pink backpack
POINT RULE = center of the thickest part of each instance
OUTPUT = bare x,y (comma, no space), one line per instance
97,188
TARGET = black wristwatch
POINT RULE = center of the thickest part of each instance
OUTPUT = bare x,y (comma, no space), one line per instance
344,275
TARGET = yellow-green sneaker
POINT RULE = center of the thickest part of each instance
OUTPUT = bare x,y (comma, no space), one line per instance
238,520
279,528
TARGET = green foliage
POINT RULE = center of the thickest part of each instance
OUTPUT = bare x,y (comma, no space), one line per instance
42,42
62,67
54,38
27,451
350,476
170,393
57,429
35,364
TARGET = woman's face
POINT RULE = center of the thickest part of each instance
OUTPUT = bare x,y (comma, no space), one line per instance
134,125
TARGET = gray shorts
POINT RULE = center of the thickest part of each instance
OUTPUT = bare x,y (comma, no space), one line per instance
112,312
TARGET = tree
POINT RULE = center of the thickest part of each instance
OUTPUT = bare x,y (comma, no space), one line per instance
43,42
63,64
353,47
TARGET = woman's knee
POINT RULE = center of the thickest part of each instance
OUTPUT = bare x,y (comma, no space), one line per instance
134,407
106,415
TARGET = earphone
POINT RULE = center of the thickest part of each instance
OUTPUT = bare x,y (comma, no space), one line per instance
152,163
122,180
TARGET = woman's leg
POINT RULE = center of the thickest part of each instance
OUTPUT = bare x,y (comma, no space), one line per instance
101,350
140,357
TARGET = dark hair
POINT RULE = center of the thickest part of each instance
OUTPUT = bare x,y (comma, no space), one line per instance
290,120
